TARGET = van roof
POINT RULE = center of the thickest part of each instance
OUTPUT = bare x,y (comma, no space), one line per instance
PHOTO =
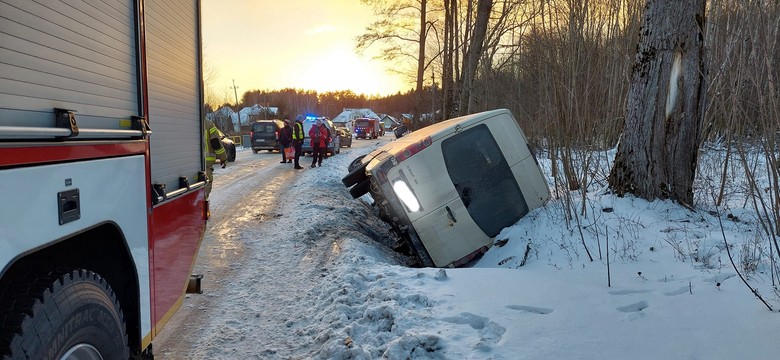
440,130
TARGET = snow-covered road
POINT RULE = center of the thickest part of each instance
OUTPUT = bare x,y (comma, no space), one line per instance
272,234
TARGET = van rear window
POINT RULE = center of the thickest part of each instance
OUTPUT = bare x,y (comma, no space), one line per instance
263,128
483,179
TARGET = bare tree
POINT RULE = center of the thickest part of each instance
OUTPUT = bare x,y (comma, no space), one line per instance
473,54
658,150
401,27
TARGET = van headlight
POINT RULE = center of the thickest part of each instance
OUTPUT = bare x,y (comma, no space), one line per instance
406,195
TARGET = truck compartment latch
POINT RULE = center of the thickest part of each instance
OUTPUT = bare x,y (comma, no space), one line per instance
66,119
68,206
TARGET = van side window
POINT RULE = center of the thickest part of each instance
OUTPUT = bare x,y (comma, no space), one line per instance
483,179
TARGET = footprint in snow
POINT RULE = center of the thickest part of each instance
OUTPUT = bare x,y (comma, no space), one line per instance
680,291
628,292
635,307
489,332
530,309
719,278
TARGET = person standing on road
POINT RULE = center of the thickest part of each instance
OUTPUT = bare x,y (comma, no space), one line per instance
285,139
320,137
214,150
297,139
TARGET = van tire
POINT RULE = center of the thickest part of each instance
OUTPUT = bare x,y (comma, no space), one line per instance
360,189
357,172
355,176
355,163
77,297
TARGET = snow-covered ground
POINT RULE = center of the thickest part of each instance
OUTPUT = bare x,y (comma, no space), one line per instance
660,285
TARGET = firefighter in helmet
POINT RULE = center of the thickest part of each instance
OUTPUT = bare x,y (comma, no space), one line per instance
213,150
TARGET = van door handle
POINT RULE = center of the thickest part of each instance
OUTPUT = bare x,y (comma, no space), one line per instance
449,214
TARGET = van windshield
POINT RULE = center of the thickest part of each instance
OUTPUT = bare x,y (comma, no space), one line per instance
361,123
483,179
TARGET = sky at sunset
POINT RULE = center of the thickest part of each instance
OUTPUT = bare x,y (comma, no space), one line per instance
303,44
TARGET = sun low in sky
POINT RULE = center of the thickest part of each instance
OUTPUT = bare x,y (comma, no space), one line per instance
302,44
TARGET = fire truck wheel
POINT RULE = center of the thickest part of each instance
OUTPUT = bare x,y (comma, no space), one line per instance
72,316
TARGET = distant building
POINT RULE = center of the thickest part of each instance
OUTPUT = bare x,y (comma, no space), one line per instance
348,115
390,122
223,119
257,112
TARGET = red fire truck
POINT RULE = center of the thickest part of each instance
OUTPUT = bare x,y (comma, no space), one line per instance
366,128
102,201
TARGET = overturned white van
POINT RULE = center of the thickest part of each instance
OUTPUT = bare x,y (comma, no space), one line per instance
451,187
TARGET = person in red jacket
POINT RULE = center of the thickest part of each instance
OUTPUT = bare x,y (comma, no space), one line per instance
320,137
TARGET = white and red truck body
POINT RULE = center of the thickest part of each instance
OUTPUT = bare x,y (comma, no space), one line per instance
101,148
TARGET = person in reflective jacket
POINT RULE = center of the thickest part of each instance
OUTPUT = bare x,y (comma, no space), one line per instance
213,150
297,138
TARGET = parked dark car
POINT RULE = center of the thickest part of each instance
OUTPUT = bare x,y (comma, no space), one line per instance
229,145
345,137
265,135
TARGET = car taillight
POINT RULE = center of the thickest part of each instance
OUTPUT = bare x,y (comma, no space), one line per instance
251,134
412,149
276,133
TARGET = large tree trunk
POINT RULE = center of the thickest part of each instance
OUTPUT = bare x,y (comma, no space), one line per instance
450,14
471,61
657,153
420,67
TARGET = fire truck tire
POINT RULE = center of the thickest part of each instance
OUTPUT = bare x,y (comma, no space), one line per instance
71,316
360,189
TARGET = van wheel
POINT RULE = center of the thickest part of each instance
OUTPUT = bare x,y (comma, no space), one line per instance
356,175
360,189
355,163
88,324
254,151
232,154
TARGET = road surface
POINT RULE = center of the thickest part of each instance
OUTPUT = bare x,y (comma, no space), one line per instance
266,249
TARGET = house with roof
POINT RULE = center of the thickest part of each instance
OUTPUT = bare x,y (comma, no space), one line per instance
223,118
346,117
389,122
256,112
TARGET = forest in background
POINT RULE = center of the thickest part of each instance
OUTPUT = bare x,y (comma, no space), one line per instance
563,68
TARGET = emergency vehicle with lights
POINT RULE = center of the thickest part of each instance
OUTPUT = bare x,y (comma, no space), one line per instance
102,203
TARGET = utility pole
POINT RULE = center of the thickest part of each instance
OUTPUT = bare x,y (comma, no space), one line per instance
235,92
